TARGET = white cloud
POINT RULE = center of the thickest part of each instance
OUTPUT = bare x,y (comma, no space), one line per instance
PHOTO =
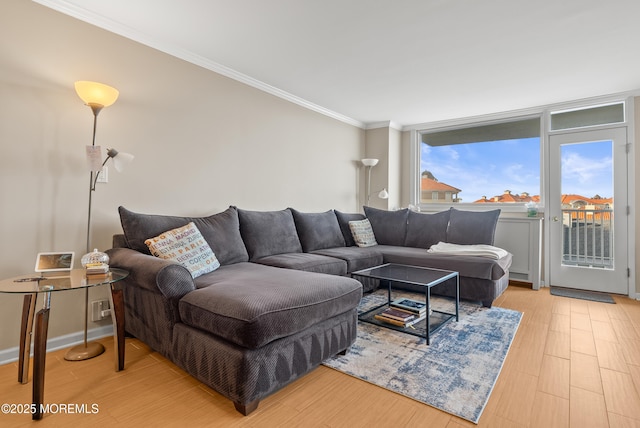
585,170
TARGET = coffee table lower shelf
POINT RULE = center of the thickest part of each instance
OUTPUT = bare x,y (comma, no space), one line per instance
436,321
423,277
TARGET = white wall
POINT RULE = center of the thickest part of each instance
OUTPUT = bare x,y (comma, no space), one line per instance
202,142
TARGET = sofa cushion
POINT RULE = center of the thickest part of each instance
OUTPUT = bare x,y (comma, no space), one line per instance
362,233
472,227
251,305
317,230
221,231
425,230
467,266
307,262
266,233
185,245
343,222
356,258
390,227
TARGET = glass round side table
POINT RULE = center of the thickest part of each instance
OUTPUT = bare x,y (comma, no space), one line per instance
31,286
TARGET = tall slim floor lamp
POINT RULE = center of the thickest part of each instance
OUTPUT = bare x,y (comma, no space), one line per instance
96,96
370,163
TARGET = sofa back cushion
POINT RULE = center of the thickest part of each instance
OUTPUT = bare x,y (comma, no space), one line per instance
343,222
472,227
389,227
318,231
424,230
221,231
266,233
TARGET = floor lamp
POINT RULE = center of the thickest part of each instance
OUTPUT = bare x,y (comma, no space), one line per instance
370,163
96,96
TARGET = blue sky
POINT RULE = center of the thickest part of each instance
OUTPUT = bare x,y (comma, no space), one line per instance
490,168
588,168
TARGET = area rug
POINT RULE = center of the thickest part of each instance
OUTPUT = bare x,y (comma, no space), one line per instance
582,294
456,373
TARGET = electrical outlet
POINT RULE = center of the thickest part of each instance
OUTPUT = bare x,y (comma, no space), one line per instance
100,310
103,177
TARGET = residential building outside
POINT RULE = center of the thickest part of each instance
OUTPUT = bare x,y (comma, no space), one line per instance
431,190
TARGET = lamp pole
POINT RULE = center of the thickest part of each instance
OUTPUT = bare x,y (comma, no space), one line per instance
369,163
368,184
86,350
95,108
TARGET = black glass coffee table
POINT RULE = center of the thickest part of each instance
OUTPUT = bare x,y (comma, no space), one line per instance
425,278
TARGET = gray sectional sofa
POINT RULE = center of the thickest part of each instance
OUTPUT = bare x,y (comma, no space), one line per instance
282,300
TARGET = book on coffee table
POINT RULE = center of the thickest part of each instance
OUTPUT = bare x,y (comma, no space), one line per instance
410,305
400,323
398,314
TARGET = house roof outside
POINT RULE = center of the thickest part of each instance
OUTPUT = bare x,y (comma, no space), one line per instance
509,197
568,200
581,200
430,185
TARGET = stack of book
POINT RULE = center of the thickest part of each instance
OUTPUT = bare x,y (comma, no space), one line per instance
403,313
97,270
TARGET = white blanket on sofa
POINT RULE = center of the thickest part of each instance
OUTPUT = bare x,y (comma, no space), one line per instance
479,250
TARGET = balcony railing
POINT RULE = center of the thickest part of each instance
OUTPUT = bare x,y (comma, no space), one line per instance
588,238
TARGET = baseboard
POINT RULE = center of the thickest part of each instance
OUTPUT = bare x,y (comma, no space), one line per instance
518,283
11,354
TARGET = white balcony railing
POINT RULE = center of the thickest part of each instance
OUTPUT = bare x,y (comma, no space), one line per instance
588,238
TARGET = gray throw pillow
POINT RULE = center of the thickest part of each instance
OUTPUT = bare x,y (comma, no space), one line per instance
266,233
472,227
221,231
318,231
343,222
390,227
424,230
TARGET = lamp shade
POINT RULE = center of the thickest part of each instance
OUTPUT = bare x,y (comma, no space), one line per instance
369,162
120,159
94,93
383,194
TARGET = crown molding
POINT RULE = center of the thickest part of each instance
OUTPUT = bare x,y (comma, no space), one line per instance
114,27
384,124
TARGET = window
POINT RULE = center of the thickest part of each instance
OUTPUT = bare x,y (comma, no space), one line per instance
497,163
589,116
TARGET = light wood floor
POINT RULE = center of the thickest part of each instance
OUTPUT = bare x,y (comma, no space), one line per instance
573,363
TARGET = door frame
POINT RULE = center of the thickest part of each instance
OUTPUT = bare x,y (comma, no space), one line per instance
631,191
584,277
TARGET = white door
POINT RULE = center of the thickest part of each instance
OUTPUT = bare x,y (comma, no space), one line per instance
588,210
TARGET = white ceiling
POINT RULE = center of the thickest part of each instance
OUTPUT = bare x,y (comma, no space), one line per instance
407,62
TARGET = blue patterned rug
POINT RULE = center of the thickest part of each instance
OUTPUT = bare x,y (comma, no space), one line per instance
456,373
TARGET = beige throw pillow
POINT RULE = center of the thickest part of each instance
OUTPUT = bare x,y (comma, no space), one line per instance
186,246
362,233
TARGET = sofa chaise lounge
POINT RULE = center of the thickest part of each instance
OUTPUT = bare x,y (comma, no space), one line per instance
282,299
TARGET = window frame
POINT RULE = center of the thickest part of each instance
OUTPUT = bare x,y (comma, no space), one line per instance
544,113
516,207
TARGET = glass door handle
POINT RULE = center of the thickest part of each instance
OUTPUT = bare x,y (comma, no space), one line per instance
555,218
